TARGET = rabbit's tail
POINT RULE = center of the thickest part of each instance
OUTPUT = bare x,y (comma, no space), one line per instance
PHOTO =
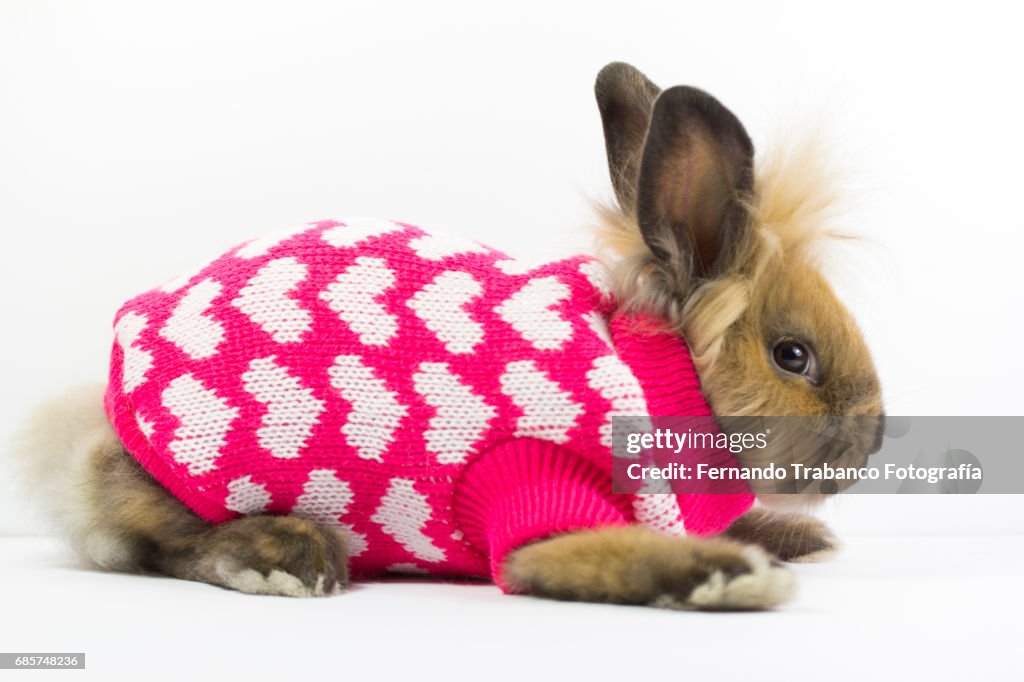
57,453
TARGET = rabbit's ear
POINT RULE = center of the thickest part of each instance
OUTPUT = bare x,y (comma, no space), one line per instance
697,164
625,99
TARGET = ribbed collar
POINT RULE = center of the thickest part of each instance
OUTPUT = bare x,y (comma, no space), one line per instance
661,362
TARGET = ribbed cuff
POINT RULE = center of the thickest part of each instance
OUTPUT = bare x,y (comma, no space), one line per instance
661,362
527,490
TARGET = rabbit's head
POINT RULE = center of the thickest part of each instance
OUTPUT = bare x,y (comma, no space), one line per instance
723,250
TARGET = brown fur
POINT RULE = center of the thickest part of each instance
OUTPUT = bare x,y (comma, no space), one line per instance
634,565
119,517
790,537
625,126
771,287
158,533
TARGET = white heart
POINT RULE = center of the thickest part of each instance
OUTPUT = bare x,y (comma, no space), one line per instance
245,496
529,312
292,411
440,305
204,419
599,325
516,266
355,230
266,301
617,384
353,296
375,413
440,246
461,416
189,328
659,511
137,360
403,514
597,275
548,411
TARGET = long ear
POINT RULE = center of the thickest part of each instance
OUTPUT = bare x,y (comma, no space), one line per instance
625,99
697,164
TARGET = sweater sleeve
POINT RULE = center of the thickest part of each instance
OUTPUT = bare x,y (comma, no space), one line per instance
527,490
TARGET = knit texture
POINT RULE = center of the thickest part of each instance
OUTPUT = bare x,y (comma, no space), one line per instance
439,400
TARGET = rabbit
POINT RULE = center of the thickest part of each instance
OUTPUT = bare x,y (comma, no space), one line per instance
718,251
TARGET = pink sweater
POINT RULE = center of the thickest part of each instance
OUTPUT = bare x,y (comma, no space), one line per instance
440,401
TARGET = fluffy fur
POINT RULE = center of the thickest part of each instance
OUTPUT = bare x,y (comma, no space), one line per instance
55,453
770,286
790,537
789,213
118,517
633,565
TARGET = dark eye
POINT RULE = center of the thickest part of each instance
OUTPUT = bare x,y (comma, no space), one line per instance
793,356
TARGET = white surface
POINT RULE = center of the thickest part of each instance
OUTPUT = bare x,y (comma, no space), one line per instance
942,608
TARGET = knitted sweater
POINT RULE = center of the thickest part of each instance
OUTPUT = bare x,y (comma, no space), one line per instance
440,401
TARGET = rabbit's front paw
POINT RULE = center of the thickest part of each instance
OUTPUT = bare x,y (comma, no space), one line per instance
790,537
818,544
730,578
635,565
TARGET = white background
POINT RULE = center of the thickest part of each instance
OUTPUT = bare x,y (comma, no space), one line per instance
139,139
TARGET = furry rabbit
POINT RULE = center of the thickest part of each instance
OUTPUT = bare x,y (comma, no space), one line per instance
351,398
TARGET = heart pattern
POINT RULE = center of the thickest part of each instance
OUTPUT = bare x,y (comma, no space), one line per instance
353,295
266,301
137,360
292,411
403,514
461,418
516,266
325,499
439,247
529,311
348,372
659,511
597,275
548,411
245,496
610,377
189,327
599,325
376,411
357,230
204,419
441,305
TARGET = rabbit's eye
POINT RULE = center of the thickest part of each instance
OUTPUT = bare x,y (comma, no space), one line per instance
793,356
